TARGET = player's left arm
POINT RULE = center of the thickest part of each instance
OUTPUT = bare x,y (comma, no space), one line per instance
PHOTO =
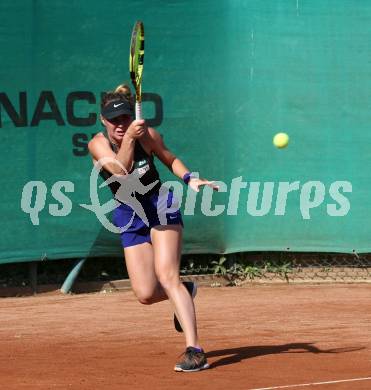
174,164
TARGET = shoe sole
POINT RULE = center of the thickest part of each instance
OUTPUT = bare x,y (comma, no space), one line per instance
194,291
204,367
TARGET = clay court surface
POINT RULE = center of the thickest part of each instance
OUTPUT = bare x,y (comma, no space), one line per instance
256,337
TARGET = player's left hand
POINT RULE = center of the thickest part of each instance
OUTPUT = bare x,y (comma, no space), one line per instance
195,183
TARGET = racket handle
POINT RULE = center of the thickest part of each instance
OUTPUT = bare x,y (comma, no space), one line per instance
138,110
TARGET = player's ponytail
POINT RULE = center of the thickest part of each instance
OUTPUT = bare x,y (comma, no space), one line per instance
124,89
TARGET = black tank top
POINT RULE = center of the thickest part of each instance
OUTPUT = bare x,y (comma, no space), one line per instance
143,164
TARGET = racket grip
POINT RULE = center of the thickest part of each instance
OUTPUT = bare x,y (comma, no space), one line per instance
138,110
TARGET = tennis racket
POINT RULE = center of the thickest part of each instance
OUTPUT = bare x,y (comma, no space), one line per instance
136,58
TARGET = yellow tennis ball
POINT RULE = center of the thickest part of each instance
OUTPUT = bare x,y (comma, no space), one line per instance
280,140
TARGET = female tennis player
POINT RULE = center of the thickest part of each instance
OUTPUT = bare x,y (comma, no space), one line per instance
152,249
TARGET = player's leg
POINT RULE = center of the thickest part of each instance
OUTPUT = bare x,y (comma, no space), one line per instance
166,241
192,290
139,256
140,266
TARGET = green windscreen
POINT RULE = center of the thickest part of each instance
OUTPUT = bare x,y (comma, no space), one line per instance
220,79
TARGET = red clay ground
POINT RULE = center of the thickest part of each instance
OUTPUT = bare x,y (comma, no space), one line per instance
256,337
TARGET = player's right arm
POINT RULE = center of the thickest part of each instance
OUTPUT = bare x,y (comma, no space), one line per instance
99,147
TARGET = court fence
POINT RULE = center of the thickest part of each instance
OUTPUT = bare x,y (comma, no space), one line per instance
266,267
237,269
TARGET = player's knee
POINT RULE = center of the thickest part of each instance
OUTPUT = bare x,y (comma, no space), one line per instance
169,281
144,297
146,301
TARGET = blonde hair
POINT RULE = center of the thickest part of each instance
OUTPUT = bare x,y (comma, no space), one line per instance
122,91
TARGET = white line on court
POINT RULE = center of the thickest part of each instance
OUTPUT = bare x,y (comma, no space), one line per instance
314,384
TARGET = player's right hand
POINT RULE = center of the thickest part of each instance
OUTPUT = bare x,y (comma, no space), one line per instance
137,129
